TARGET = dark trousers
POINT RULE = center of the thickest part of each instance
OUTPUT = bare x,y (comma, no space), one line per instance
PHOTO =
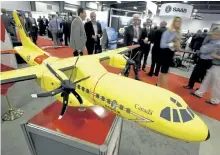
41,30
76,53
144,53
199,71
66,39
33,36
155,60
91,47
134,55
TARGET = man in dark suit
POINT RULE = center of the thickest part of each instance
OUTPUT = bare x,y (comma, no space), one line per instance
78,34
45,24
9,24
131,37
94,33
145,42
31,27
156,50
67,30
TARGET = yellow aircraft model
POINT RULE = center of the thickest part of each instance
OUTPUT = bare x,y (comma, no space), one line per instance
89,84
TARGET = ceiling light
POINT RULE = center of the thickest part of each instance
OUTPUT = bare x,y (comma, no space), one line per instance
119,1
97,2
185,1
135,7
103,4
194,13
195,10
159,8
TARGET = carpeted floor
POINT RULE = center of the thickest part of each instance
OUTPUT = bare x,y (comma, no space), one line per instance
175,83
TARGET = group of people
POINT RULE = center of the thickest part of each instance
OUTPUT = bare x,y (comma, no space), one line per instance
166,41
78,35
42,24
207,69
27,21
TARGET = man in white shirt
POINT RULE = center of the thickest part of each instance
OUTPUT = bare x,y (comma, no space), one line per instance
131,37
94,33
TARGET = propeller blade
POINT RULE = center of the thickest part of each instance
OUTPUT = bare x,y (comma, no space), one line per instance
74,67
77,96
54,73
47,94
81,79
65,104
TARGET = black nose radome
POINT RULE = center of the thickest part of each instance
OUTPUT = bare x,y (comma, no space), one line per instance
208,136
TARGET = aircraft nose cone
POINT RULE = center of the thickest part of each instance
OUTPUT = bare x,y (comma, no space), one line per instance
208,136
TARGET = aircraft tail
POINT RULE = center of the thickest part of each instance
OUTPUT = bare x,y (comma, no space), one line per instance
26,41
29,51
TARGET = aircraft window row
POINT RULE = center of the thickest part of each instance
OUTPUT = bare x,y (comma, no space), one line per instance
186,115
113,103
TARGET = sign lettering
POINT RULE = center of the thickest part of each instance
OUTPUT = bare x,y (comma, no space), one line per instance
179,10
147,111
176,9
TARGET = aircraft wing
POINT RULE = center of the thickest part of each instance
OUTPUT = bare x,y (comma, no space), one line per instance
108,54
18,75
113,58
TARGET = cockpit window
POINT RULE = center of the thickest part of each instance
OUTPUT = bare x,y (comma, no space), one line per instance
178,104
165,113
175,116
185,115
173,100
191,112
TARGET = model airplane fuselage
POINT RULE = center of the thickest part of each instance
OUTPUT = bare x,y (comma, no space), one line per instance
152,107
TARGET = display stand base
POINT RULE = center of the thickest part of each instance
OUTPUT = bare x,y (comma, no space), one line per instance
12,115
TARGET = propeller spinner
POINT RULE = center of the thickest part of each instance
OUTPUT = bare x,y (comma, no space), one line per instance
67,87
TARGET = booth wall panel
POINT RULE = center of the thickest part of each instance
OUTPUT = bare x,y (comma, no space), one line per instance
192,24
73,2
16,5
43,6
92,5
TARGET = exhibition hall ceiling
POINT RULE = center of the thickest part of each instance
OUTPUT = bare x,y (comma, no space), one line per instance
199,6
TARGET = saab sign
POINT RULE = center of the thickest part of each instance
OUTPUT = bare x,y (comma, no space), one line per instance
176,9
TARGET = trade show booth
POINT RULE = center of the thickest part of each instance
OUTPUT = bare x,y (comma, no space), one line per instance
88,94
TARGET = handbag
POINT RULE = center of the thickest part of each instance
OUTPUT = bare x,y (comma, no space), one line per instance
59,32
